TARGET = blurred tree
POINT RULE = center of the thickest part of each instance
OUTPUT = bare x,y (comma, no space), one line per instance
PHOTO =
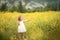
3,7
52,6
21,8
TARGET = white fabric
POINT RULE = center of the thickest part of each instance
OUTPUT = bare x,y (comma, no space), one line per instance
21,27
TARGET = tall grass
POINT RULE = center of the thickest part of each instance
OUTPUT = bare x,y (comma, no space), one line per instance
42,25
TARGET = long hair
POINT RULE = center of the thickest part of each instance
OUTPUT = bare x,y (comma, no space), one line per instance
19,18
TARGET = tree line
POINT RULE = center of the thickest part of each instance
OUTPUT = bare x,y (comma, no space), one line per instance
53,6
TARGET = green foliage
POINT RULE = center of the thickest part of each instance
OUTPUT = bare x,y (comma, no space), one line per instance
21,8
3,7
52,6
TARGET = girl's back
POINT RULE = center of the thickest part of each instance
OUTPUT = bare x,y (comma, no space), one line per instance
21,27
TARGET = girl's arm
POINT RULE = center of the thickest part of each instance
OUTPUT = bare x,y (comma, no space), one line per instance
26,20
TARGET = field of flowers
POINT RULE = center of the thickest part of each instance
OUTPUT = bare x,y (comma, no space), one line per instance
42,25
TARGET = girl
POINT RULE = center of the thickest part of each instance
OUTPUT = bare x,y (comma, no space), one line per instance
21,28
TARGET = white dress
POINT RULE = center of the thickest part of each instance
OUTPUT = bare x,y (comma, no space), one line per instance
21,27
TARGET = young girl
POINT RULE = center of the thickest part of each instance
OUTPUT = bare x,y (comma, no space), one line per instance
21,28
